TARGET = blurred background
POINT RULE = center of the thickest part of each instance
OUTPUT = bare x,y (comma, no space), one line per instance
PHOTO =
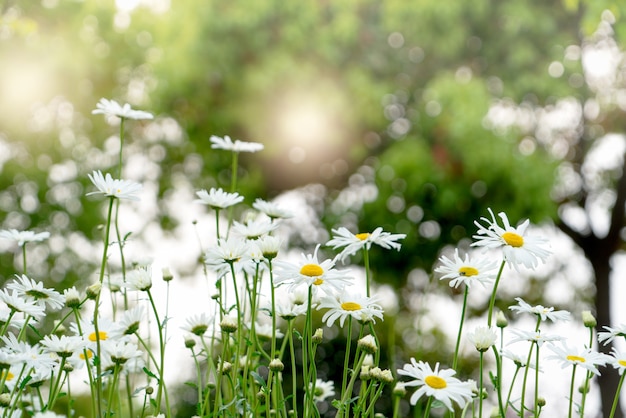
413,116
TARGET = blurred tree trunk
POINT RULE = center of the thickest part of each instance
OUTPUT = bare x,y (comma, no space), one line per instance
599,251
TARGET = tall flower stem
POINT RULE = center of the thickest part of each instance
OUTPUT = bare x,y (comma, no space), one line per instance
346,362
571,392
233,185
588,375
458,336
530,352
24,258
480,384
162,391
492,301
120,243
120,157
294,371
617,393
366,262
98,360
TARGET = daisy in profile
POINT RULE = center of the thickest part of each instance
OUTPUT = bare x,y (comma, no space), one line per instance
438,384
482,338
227,252
63,346
534,337
617,359
35,291
108,186
353,243
18,303
23,237
112,108
606,337
238,146
129,323
311,272
348,304
518,247
467,270
254,228
198,324
272,210
217,198
540,311
139,279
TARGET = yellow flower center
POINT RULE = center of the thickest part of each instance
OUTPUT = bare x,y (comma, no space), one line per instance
102,335
513,239
318,281
362,236
576,358
9,375
82,355
350,306
435,382
468,271
311,270
621,362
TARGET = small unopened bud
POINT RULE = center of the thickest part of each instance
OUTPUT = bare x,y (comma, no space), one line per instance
365,373
190,342
225,367
368,360
318,337
276,365
228,325
149,390
167,274
368,344
495,413
72,298
386,376
589,320
93,291
379,415
260,395
501,321
215,296
584,387
399,390
59,328
5,400
541,402
68,368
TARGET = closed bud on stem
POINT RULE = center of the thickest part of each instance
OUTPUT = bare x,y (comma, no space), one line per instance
318,337
501,321
589,320
368,344
399,390
149,390
228,325
541,402
93,291
276,365
167,274
5,400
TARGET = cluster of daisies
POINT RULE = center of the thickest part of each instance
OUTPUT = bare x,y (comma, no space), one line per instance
254,344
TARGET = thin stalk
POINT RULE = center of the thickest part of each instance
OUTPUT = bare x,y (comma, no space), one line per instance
480,384
162,391
571,392
98,361
428,404
458,336
346,363
588,376
113,389
120,160
366,262
24,258
294,372
617,393
501,407
492,301
521,410
233,187
537,382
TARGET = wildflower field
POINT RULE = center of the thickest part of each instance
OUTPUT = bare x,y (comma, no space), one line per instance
251,347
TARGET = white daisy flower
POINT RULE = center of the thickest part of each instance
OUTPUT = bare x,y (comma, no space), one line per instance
18,303
112,108
617,359
108,186
120,351
439,384
585,358
48,414
23,237
218,198
362,308
35,291
264,332
606,337
64,346
534,336
198,324
518,248
353,243
290,304
272,210
30,356
269,246
238,146
254,229
467,270
541,311
482,338
106,328
311,272
323,390
226,252
72,297
519,360
129,323
139,279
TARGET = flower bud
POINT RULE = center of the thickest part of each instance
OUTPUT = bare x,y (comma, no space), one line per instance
5,400
589,320
228,325
501,321
93,291
318,337
276,365
149,390
225,367
368,344
167,274
190,342
541,402
399,390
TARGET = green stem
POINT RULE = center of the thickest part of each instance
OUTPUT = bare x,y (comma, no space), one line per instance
498,388
346,363
366,262
24,258
537,382
458,336
98,359
233,186
522,407
428,404
162,391
492,301
571,392
294,372
617,393
588,376
119,164
480,384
